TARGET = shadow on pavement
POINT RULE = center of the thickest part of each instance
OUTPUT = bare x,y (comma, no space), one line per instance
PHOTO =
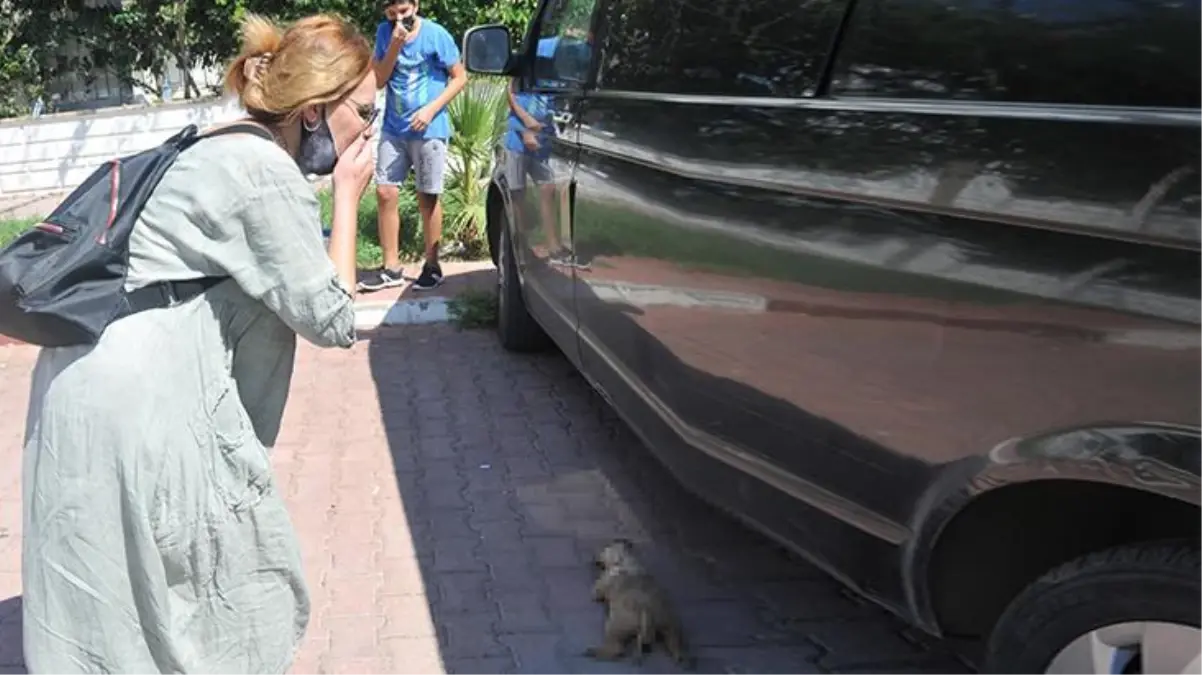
513,472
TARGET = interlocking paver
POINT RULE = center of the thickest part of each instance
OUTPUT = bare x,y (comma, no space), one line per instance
449,496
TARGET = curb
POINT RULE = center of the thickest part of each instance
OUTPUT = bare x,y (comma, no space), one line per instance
372,315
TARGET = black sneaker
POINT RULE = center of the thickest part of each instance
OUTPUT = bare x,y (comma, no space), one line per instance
381,279
561,257
431,277
565,258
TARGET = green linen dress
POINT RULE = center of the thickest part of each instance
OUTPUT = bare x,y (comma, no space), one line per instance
155,536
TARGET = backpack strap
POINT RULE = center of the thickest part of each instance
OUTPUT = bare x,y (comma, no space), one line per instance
160,294
241,128
169,293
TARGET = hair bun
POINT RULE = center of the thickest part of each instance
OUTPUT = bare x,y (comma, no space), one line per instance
260,36
317,60
253,67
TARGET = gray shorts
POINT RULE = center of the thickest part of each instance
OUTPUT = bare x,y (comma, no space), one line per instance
427,158
519,165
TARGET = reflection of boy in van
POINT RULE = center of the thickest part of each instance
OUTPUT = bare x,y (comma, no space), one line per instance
531,119
531,115
528,138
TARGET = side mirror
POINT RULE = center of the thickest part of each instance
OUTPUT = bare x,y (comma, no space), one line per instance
486,50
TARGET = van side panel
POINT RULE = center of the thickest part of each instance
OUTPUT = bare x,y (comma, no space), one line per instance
823,309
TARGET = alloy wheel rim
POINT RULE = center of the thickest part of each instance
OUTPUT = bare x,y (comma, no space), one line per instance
1132,647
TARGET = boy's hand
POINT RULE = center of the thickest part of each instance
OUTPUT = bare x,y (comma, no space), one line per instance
399,34
421,119
530,140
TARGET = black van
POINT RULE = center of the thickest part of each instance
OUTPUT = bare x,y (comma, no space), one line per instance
911,286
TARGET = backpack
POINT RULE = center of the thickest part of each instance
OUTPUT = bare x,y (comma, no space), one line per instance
62,282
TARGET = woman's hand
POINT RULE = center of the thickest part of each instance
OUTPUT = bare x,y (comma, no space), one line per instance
352,173
354,169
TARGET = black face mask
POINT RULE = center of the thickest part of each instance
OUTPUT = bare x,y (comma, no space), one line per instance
317,154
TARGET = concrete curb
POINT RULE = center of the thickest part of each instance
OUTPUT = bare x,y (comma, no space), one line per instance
371,315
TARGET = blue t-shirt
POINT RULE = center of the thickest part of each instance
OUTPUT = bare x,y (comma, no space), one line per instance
538,106
422,70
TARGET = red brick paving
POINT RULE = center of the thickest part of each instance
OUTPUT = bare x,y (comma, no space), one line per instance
448,497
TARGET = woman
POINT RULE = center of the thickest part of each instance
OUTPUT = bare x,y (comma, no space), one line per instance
155,538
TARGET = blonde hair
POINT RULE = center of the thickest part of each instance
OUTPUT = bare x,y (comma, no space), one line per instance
318,59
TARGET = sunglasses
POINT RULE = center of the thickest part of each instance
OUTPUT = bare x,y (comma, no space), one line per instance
368,112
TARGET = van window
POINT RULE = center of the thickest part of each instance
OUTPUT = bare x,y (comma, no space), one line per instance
1093,52
563,51
771,48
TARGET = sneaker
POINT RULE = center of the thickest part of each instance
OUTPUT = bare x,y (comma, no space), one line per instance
430,277
381,279
565,258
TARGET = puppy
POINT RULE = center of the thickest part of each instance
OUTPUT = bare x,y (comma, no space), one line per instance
635,608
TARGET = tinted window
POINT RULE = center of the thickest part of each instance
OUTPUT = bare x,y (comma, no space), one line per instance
724,47
563,52
1100,52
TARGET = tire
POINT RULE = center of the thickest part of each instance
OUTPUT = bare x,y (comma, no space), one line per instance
1156,581
517,330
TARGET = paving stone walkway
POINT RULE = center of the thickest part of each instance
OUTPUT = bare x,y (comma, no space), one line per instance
449,496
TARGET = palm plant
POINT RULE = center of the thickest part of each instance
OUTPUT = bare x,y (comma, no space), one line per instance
478,116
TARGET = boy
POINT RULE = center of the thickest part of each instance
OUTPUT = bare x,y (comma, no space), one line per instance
418,62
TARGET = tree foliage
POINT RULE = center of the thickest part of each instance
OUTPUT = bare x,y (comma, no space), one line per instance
138,40
20,79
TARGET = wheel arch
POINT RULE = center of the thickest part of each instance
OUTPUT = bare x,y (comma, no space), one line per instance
992,526
493,220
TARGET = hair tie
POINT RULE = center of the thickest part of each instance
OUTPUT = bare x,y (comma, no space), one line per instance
254,66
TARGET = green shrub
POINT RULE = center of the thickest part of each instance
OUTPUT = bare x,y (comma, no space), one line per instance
473,309
478,117
368,254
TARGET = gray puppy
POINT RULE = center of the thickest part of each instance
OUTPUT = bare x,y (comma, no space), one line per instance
636,608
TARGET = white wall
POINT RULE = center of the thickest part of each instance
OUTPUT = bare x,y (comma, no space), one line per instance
58,152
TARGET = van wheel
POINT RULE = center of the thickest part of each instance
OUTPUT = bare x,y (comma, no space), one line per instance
1129,609
518,331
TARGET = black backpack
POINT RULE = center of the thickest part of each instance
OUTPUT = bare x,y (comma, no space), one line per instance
63,281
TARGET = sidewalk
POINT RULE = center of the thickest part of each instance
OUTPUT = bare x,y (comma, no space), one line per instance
448,497
25,205
404,305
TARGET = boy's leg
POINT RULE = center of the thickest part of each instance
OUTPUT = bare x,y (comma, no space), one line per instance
392,166
514,170
430,161
543,178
